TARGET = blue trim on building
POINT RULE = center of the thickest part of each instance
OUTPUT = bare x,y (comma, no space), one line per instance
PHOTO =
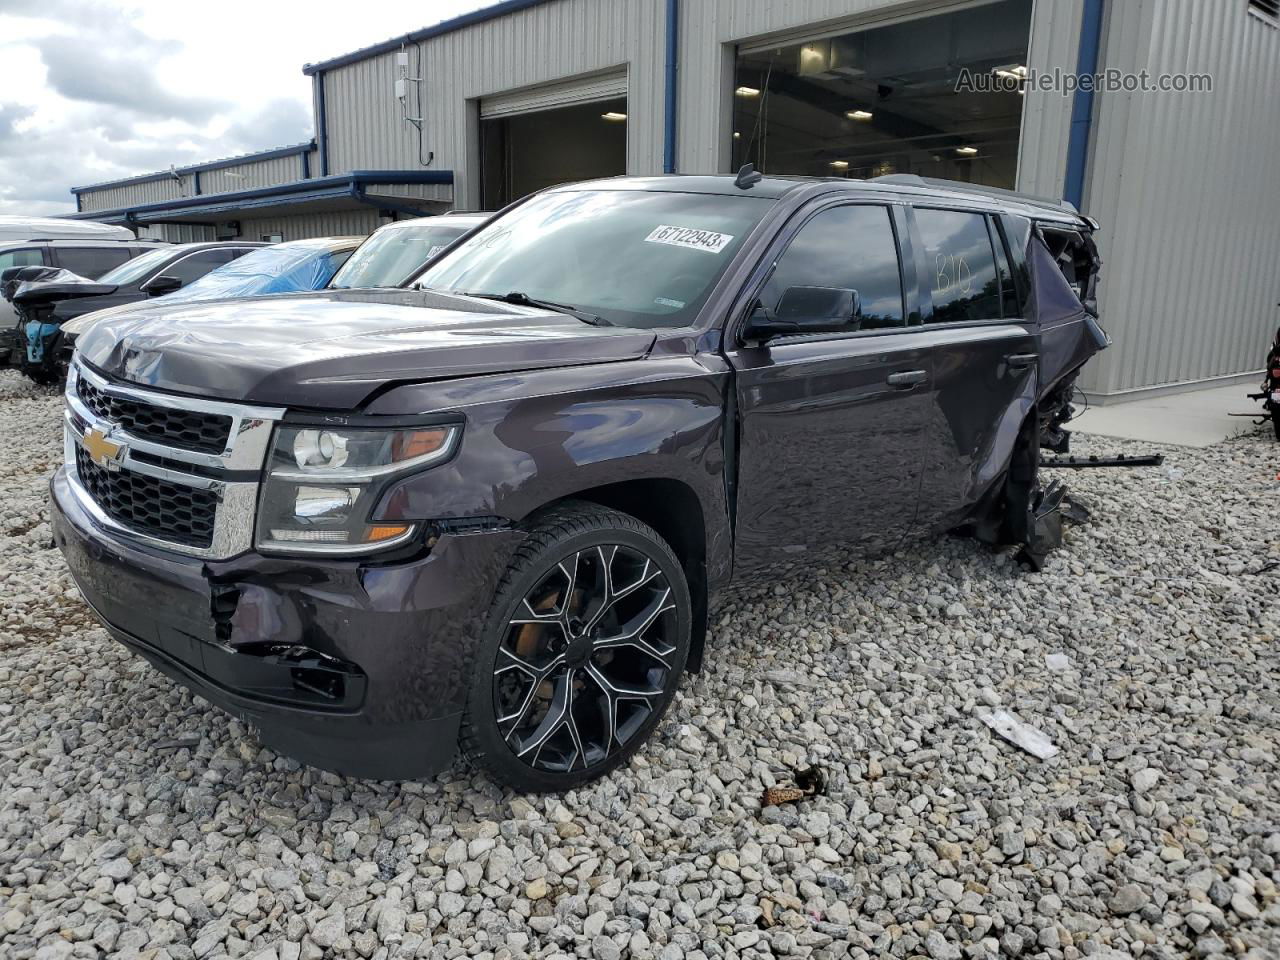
672,99
341,186
1082,104
426,33
271,154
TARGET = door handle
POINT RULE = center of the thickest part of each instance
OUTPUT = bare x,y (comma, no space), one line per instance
1020,360
907,378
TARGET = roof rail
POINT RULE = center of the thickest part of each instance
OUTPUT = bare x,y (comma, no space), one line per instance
912,180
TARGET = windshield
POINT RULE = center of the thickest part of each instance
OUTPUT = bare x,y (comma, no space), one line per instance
394,254
284,268
635,258
137,268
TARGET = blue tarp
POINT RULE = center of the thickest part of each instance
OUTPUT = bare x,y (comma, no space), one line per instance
283,268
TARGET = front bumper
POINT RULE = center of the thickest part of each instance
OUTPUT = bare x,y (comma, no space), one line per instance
353,668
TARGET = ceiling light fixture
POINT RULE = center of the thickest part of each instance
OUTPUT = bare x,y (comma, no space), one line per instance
858,114
747,92
840,164
967,151
613,115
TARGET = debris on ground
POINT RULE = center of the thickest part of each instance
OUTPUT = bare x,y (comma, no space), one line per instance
1020,734
809,782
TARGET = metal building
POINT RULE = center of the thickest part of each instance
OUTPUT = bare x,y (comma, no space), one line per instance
480,110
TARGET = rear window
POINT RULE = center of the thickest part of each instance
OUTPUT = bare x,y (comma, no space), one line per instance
961,265
91,262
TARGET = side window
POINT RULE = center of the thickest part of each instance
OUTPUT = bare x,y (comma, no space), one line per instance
198,264
91,262
962,266
28,257
851,247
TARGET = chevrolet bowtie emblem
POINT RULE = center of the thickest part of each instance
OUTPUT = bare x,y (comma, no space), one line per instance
105,453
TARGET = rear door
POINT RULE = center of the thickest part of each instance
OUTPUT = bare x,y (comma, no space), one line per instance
984,360
829,425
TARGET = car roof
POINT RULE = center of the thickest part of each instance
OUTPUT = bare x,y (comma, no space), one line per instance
902,187
332,244
34,229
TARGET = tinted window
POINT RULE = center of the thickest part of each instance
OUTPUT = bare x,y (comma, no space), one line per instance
851,247
91,262
29,257
198,264
962,267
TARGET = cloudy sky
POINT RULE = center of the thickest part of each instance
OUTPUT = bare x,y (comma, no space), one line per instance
92,90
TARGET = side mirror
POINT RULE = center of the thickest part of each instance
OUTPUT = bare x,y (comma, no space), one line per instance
159,286
806,310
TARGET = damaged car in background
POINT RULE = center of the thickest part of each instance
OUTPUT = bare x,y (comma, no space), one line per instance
46,297
491,510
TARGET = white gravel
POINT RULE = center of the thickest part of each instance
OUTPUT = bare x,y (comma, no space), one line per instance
135,820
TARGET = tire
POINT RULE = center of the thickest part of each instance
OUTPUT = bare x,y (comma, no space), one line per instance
562,694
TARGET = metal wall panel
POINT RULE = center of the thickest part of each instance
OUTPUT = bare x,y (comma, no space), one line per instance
1046,115
247,176
153,191
542,44
353,223
177,232
1184,184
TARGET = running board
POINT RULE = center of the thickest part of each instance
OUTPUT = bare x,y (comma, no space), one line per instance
1121,460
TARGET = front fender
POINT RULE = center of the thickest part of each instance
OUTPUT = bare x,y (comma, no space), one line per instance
537,437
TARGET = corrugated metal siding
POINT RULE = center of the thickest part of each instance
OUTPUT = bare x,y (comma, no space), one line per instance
246,176
177,232
1046,115
354,223
550,42
153,191
1185,186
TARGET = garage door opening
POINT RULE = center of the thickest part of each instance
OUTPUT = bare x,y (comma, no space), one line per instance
524,152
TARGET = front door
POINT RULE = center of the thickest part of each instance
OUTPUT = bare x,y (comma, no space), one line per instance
829,425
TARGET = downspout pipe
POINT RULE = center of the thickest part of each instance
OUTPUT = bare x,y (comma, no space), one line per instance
1082,102
672,69
322,126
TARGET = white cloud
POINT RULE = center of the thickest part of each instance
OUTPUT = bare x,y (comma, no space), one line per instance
93,90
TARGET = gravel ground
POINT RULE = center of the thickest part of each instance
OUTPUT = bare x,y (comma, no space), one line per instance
135,820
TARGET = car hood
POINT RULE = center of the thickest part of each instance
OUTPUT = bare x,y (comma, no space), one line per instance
332,349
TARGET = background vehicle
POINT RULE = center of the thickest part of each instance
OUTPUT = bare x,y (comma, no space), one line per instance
397,251
46,299
288,267
85,248
491,509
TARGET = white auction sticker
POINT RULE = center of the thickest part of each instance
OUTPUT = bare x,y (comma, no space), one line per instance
693,239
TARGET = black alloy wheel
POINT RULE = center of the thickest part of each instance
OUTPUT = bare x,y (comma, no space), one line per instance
586,642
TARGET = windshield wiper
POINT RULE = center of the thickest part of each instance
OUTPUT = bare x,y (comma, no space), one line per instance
524,300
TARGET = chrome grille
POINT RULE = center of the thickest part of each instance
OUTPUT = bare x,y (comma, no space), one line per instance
187,429
171,471
158,508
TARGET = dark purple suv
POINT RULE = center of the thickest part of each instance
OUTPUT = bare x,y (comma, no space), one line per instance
491,509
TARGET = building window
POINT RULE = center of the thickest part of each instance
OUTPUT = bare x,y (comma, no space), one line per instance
913,97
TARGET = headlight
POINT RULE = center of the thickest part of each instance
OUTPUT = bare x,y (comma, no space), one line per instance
322,484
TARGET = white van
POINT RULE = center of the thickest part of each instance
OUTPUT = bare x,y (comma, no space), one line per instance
81,246
51,228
